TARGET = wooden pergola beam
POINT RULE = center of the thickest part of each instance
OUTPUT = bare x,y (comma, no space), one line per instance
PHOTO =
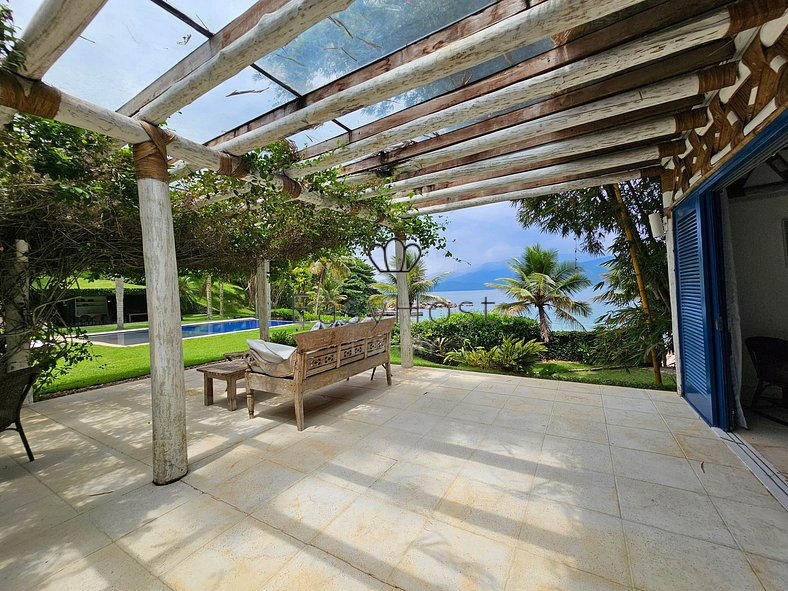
629,29
595,181
520,29
271,31
53,28
558,113
574,147
708,28
627,159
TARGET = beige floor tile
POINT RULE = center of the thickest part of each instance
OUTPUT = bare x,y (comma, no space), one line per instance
447,558
496,386
253,487
487,397
759,530
635,419
401,398
624,392
26,564
522,420
526,404
463,381
579,387
577,428
488,509
109,568
170,538
678,511
708,450
662,561
773,574
240,559
138,507
355,469
586,540
313,569
582,488
534,392
537,383
19,487
571,395
566,453
628,403
689,427
371,534
410,485
215,469
374,414
475,413
661,442
738,484
311,452
413,422
445,392
434,406
572,410
389,442
531,572
656,468
32,518
305,508
680,408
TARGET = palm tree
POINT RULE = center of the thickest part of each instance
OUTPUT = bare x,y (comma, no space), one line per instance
419,286
543,283
331,292
324,267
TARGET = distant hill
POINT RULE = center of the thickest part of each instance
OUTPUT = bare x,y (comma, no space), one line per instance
477,277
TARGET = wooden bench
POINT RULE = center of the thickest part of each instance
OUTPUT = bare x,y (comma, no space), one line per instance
324,357
230,372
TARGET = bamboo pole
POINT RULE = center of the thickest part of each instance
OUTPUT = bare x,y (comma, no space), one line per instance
168,391
596,181
626,224
516,31
662,44
54,27
628,134
403,304
273,30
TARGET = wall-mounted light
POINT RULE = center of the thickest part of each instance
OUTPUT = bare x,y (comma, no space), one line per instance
657,224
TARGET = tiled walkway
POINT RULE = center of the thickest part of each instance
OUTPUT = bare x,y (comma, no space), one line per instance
446,480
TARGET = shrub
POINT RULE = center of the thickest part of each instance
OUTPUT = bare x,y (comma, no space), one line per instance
572,345
282,337
477,330
436,350
511,355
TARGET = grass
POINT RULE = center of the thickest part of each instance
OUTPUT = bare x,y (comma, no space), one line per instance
111,364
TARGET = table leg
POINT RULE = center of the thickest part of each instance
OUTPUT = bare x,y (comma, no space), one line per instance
207,390
231,404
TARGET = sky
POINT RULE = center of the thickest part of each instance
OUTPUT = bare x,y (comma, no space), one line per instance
131,42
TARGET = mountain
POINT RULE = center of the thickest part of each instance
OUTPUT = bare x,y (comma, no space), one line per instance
477,277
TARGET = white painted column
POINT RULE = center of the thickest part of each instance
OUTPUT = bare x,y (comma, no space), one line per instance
403,306
168,392
263,298
671,254
18,335
119,308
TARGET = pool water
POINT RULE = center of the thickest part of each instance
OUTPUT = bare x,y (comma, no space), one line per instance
141,336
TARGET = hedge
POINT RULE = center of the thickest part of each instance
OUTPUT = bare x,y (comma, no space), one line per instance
571,345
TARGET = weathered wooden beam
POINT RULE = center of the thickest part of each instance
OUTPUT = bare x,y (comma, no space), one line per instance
262,298
467,26
536,122
168,390
403,304
231,32
575,147
711,27
53,28
627,159
596,181
273,30
518,30
635,27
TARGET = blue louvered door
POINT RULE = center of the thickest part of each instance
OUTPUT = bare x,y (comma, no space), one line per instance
693,281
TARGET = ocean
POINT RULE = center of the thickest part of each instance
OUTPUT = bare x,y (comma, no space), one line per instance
477,297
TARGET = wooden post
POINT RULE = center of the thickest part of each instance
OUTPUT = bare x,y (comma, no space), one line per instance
209,297
17,331
626,224
263,298
403,305
168,392
221,297
119,308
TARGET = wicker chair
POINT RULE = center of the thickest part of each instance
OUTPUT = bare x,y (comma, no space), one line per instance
14,388
770,357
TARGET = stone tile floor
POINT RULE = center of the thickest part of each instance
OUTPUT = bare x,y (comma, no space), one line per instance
446,480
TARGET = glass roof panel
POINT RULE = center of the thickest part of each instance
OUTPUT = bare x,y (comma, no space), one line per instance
234,101
304,139
128,45
211,14
353,38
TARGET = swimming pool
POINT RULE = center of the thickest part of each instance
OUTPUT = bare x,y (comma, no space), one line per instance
124,338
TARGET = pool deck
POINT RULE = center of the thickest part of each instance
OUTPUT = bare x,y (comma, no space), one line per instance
446,480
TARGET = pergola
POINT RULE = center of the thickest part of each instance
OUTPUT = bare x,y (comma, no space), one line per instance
590,93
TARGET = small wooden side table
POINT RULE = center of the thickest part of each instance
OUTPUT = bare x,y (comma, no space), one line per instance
228,371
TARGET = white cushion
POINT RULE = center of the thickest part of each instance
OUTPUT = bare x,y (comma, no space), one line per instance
270,352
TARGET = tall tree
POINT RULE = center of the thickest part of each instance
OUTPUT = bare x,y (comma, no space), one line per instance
544,284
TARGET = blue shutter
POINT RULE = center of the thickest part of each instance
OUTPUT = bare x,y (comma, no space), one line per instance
695,334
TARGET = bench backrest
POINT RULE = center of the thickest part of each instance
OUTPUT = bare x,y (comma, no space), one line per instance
330,348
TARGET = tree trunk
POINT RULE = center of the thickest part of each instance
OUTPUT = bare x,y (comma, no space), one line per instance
17,322
544,325
119,308
221,297
209,297
626,224
403,306
263,299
